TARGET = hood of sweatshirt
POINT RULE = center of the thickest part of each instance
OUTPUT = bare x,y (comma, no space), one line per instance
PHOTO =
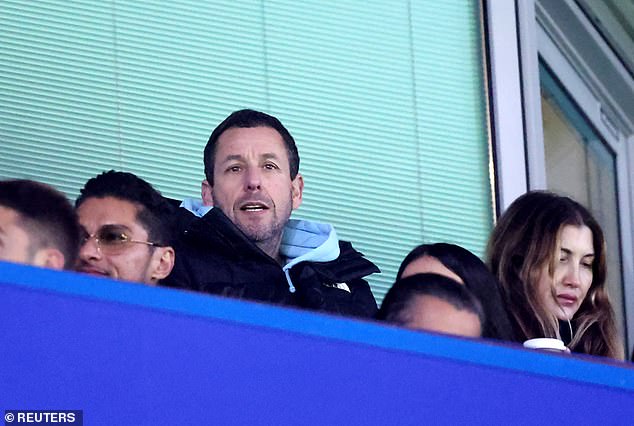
195,206
304,240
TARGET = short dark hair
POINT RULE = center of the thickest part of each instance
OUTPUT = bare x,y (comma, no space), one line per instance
476,277
155,212
395,306
45,214
247,118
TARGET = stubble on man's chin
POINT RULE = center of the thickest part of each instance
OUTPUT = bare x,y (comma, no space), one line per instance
267,238
262,235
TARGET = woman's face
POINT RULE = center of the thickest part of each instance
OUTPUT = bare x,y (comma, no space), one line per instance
563,292
429,265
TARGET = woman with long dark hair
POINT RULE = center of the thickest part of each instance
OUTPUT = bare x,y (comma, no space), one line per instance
548,254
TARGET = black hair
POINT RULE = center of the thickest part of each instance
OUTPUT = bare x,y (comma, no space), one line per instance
46,215
396,305
476,277
247,118
155,212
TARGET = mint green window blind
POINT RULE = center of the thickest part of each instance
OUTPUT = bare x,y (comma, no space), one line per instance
385,100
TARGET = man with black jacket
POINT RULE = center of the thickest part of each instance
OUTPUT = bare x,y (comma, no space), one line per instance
241,242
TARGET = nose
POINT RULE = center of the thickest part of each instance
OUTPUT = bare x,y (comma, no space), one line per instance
90,249
573,275
253,179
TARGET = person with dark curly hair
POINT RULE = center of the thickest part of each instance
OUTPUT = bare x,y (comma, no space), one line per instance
126,229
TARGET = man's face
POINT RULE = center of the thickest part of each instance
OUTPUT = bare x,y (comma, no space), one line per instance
252,184
15,243
129,261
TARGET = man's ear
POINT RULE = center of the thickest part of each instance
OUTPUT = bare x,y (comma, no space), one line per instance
206,192
297,188
163,263
49,257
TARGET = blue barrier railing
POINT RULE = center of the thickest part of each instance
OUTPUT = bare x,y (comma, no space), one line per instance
131,354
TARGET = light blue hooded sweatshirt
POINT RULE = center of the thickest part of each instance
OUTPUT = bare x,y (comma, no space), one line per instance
302,240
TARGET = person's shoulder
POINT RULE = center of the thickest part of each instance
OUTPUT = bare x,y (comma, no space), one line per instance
346,248
212,238
349,255
201,252
348,267
172,202
190,224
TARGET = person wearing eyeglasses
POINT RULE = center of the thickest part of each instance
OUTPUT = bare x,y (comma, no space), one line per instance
38,225
126,231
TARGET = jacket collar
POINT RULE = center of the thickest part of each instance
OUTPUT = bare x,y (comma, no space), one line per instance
216,229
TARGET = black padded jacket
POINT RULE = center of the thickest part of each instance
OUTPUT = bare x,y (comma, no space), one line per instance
214,256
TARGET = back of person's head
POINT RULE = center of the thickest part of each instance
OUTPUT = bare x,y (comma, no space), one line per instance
524,241
474,274
48,218
155,212
248,118
462,315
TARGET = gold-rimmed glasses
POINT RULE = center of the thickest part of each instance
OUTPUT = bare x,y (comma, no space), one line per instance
113,238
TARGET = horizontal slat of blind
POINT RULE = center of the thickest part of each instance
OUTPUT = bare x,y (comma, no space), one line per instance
453,157
58,99
359,141
383,98
184,66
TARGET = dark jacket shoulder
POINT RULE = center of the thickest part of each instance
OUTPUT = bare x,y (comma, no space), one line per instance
214,256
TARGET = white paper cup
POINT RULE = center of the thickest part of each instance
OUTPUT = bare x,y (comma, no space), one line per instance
547,344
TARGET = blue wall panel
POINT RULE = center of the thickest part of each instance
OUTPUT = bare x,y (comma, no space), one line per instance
130,354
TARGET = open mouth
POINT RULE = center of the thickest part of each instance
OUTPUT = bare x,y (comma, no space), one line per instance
253,207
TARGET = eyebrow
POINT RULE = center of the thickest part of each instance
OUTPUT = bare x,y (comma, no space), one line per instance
265,156
115,226
232,157
268,155
108,226
569,252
